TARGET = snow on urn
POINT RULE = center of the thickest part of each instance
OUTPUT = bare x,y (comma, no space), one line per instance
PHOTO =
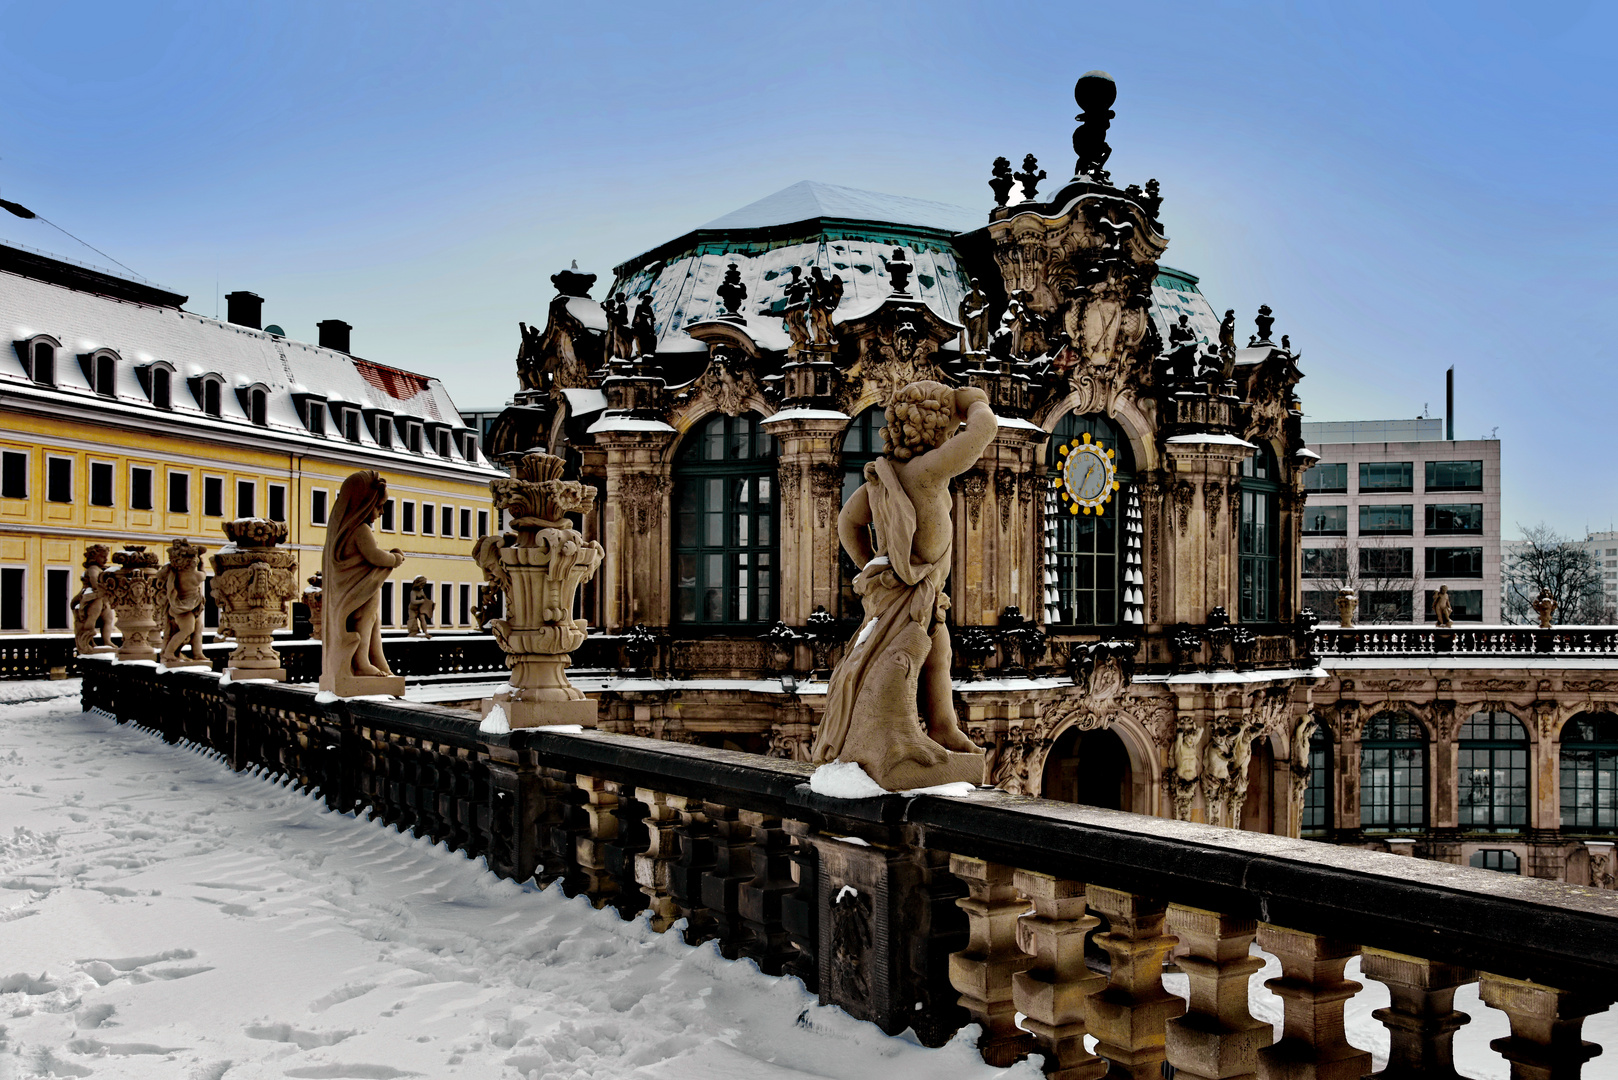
133,593
253,583
539,564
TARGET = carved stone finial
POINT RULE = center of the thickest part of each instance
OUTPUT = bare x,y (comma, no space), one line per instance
1264,320
1544,606
899,271
253,581
732,292
1095,92
1030,177
572,283
1152,200
1001,181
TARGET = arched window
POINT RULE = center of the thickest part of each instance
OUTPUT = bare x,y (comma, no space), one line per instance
106,375
1393,774
210,396
1258,553
258,406
1317,794
1491,780
862,444
1590,773
161,388
724,528
1092,560
44,368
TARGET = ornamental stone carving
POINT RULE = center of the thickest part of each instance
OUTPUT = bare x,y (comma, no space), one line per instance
253,582
132,591
1213,494
826,487
539,564
92,613
180,585
311,600
789,474
974,485
642,496
353,567
1005,490
1183,495
1185,767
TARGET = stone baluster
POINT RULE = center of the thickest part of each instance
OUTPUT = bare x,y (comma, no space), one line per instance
759,900
653,866
508,828
1217,1038
1313,993
721,886
553,828
982,972
599,804
800,909
1053,991
1545,1042
621,850
1128,1015
1420,1017
696,837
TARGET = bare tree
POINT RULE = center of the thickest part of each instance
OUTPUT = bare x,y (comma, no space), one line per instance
1382,572
1545,559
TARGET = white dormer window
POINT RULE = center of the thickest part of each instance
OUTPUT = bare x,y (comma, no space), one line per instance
384,432
411,430
258,405
162,388
103,372
208,390
443,444
469,445
351,424
314,416
39,358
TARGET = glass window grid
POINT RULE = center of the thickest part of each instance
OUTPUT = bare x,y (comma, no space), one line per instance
1325,562
1589,773
725,552
1378,562
1502,859
1462,562
1327,478
1386,475
1491,778
1258,557
1454,476
1393,775
1387,519
1454,518
1325,521
1089,547
1466,605
1317,793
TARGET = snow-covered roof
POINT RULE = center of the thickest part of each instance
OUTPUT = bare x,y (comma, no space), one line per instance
810,199
1209,438
142,334
1175,293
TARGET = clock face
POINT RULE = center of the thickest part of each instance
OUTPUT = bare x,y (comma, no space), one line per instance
1089,476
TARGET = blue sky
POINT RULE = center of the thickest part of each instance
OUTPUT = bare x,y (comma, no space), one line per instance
1408,186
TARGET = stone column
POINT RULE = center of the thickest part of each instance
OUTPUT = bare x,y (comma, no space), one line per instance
1313,992
810,485
1217,1038
636,526
1544,1043
1053,992
1420,1017
253,581
1200,547
1128,1016
133,594
983,971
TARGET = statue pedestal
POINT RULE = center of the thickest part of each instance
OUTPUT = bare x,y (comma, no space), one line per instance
253,584
168,665
529,714
956,768
345,685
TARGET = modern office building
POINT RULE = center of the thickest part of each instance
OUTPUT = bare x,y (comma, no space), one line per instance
126,419
1395,510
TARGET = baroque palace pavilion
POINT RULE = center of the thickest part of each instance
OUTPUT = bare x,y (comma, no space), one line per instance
1128,618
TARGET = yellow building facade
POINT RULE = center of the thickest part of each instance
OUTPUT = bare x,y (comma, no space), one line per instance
125,419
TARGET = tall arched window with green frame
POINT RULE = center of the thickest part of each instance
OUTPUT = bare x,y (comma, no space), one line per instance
725,548
1393,774
1092,558
1258,548
862,444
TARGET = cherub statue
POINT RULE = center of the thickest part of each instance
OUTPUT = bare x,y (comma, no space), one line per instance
421,608
1544,606
1227,346
974,315
620,343
180,585
90,611
1443,607
796,312
353,568
644,326
895,678
824,296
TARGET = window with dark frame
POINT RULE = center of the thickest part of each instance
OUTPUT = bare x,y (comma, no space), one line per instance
59,479
58,597
44,372
1462,562
725,549
351,425
407,516
101,483
1379,562
213,496
862,443
1258,546
259,406
1386,475
1454,518
1504,860
427,518
384,432
1327,478
466,524
1393,774
387,603
106,376
277,510
210,397
1325,520
1589,773
246,499
1329,562
162,397
140,488
1491,778
12,582
13,474
446,521
446,602
179,493
317,507
1466,605
1386,605
466,604
315,416
1455,476
1089,548
1317,794
483,523
387,516
1388,520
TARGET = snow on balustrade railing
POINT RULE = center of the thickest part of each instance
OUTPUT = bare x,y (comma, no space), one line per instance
931,911
1465,640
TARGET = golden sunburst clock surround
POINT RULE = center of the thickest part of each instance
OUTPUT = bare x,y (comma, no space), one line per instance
1089,475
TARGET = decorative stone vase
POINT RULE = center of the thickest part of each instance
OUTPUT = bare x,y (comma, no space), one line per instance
134,595
252,584
539,565
1347,602
311,600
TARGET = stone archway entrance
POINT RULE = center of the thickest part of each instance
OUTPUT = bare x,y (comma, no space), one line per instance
1090,768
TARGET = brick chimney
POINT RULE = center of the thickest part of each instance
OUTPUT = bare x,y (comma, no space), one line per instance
245,309
334,334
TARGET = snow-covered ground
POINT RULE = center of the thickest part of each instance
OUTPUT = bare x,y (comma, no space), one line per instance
161,916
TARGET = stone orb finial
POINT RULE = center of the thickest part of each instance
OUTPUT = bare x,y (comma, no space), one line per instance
1095,91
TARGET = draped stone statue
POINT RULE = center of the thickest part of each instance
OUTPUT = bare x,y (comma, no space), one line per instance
90,611
352,569
419,615
895,676
180,583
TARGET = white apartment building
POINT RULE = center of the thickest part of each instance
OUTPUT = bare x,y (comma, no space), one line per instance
1394,511
1604,546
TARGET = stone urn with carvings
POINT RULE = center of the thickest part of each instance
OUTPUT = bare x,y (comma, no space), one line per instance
1347,602
539,564
311,600
253,582
133,593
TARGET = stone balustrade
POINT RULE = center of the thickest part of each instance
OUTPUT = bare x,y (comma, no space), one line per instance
1463,640
929,912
